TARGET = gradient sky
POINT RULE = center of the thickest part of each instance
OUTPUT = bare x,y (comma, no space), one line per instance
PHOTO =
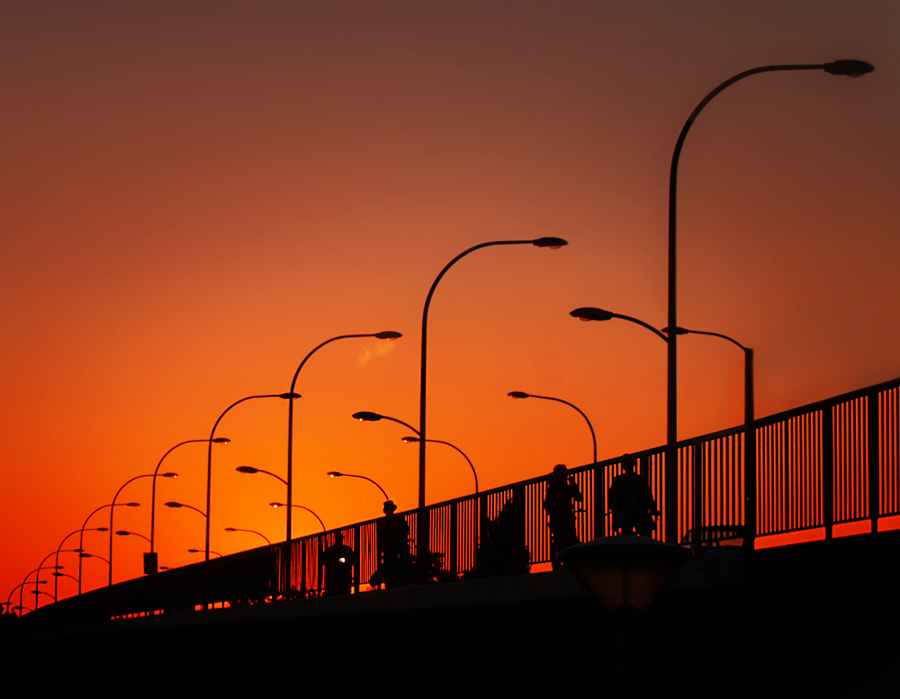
196,193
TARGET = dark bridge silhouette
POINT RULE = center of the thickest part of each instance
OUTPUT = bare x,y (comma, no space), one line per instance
813,468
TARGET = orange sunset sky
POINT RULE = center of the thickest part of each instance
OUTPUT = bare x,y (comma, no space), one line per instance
196,193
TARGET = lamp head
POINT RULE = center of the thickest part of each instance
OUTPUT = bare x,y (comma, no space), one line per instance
168,475
552,243
289,396
246,469
518,394
589,313
366,416
678,331
122,532
221,440
174,504
850,67
411,440
276,505
230,529
388,335
335,474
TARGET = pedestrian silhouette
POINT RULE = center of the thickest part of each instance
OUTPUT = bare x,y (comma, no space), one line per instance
631,502
502,550
338,560
394,559
559,503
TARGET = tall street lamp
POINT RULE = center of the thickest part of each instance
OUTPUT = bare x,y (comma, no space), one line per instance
422,519
749,433
113,509
150,559
851,68
212,435
84,529
383,335
522,394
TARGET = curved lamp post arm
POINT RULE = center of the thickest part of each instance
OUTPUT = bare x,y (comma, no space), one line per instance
81,537
468,460
522,394
219,440
112,510
749,400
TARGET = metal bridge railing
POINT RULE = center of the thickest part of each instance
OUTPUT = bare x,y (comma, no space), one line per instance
815,467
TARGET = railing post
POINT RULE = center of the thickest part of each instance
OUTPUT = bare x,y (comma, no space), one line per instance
599,501
874,465
828,470
749,485
697,499
453,537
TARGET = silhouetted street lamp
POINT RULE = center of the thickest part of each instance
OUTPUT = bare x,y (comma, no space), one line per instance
113,509
276,505
416,440
212,435
422,518
383,335
84,529
150,562
851,68
59,550
249,531
522,394
749,434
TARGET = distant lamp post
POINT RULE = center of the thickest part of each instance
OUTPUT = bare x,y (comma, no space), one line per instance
383,335
422,518
415,440
522,394
212,436
849,67
249,531
150,558
59,550
84,529
749,433
113,509
276,505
